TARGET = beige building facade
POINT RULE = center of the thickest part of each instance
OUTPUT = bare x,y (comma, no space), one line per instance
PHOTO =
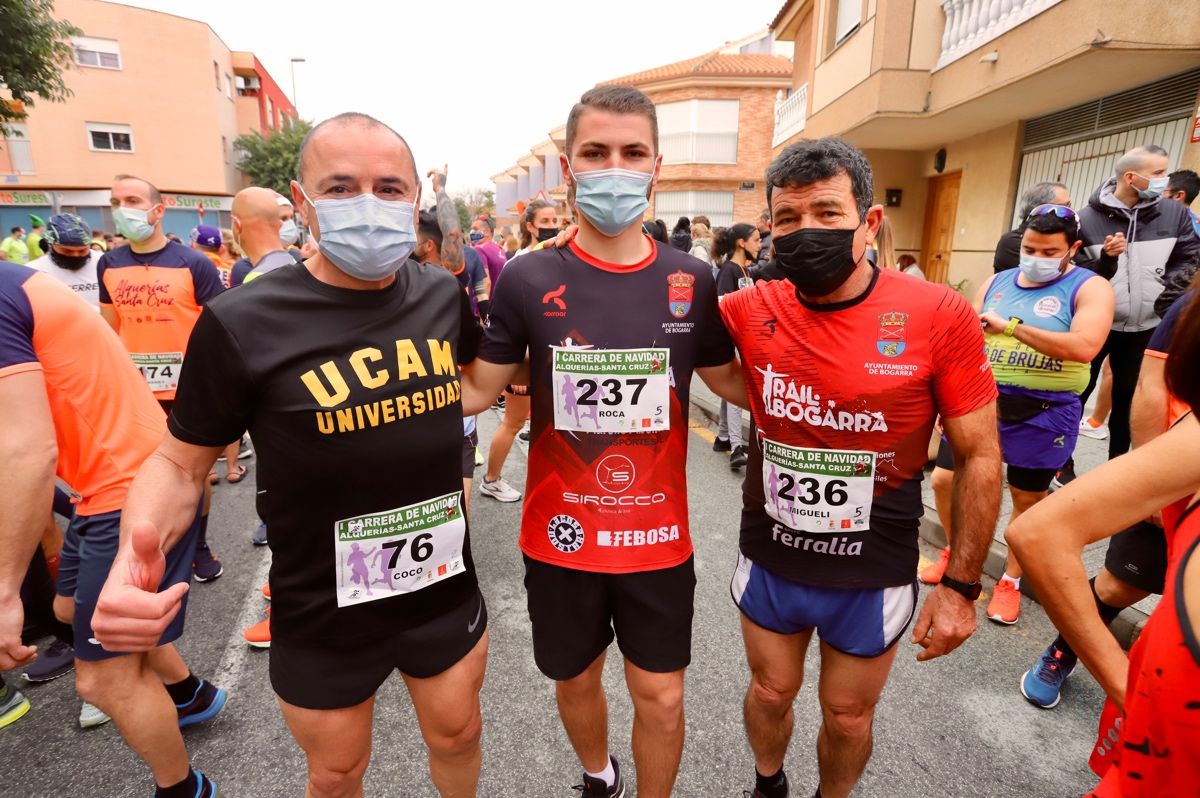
154,95
962,104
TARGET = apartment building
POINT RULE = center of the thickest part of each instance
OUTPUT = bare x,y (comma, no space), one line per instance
962,104
715,126
155,95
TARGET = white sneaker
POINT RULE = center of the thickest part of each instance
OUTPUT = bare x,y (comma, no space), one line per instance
91,716
499,490
1087,430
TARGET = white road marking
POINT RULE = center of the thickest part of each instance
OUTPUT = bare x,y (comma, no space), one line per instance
229,672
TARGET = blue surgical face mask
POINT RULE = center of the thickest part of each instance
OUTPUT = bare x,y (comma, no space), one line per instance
364,236
612,199
476,236
1040,270
132,223
1155,188
289,233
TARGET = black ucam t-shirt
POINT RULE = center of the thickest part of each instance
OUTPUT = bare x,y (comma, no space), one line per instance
353,401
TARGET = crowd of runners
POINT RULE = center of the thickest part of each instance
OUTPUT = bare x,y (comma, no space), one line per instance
130,366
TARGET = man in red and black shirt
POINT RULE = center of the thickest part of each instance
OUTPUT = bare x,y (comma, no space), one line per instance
614,326
847,367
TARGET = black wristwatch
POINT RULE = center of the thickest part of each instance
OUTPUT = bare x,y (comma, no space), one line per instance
969,590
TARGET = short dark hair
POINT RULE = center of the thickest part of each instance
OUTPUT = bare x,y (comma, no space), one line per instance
702,220
683,224
15,230
363,120
617,100
1050,223
1038,194
155,194
1187,181
1135,159
428,227
810,160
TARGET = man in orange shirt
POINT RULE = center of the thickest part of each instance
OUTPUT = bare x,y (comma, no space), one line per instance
73,407
151,292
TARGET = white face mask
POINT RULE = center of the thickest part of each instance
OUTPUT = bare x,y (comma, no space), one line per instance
289,233
1040,270
133,224
612,199
364,236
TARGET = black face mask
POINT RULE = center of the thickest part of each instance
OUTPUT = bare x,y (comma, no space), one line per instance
72,262
547,233
817,260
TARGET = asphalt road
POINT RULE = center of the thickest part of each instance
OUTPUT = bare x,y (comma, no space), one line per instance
954,727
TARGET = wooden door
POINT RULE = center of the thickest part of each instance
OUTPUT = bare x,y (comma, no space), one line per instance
940,212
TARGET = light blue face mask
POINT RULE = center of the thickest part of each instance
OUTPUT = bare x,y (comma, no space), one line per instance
1040,270
612,199
366,237
1155,188
132,223
289,233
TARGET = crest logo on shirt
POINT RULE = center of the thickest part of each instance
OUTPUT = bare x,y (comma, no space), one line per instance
680,288
892,334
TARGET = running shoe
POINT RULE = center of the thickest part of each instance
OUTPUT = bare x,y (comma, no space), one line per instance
738,458
756,793
499,490
206,566
13,705
244,448
1005,606
596,788
57,660
205,787
91,716
266,591
524,434
259,537
478,457
1063,476
205,705
259,635
1042,684
932,574
499,403
722,445
1088,429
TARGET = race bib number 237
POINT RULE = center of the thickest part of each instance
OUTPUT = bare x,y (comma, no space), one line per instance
611,390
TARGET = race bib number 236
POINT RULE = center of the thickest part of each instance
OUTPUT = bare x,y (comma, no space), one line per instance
818,490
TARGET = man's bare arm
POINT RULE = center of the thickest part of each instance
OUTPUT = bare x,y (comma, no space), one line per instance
482,382
976,491
726,382
167,489
30,455
109,314
1148,415
447,216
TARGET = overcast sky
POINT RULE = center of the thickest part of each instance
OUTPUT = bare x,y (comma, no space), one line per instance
472,83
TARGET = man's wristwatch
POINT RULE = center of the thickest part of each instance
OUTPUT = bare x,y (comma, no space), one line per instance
969,590
1011,329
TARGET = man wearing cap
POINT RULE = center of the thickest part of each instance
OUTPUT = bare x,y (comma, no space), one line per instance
69,257
207,240
34,240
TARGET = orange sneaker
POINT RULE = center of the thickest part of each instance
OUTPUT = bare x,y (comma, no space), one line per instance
259,635
1005,606
932,574
267,591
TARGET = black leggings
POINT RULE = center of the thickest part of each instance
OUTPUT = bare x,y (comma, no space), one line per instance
1124,351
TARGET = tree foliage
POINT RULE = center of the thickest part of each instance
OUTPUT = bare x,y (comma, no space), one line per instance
270,161
36,51
464,214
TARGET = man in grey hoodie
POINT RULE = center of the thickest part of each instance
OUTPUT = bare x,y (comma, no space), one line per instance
1137,240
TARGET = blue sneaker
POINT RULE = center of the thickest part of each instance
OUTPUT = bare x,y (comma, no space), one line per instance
205,705
259,538
1042,684
205,787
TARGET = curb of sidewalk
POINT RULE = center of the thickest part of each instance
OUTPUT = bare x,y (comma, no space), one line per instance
1127,626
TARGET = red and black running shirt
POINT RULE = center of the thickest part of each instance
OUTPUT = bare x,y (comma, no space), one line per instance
613,502
863,377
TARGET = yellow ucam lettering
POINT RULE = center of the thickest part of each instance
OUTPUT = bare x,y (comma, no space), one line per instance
442,356
327,398
358,362
408,362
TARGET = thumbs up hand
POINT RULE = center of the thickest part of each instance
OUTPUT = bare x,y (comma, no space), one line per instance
131,615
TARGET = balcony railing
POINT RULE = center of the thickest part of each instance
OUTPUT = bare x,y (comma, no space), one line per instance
971,24
789,115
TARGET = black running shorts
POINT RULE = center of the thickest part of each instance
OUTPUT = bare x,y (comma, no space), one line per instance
315,677
575,613
470,442
1139,556
1033,480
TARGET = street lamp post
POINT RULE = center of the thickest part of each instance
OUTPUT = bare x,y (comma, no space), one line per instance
295,102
